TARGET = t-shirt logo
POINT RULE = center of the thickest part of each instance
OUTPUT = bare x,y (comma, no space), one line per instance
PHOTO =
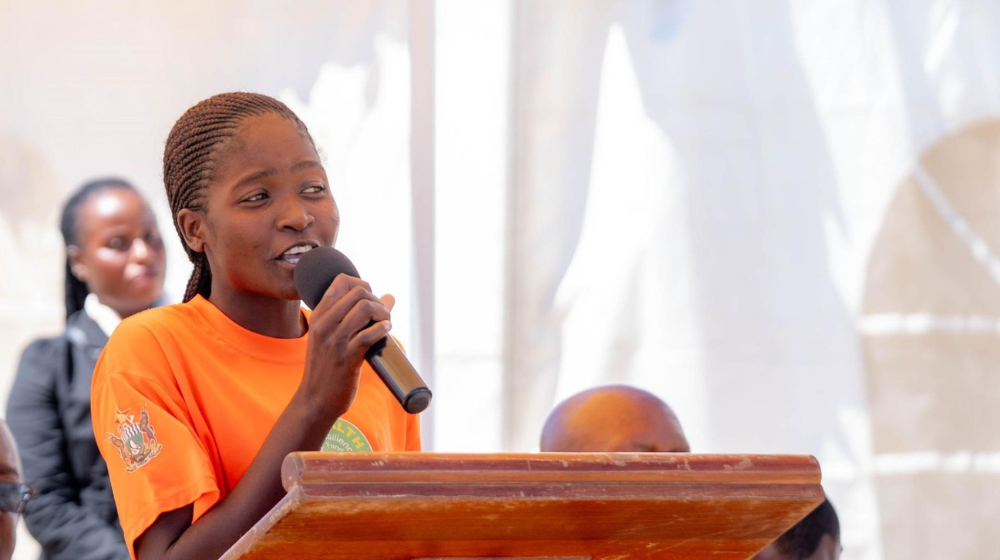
136,441
345,436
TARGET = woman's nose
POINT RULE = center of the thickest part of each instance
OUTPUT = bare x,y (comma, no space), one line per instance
294,216
140,250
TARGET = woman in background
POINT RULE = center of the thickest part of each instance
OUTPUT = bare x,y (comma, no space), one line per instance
115,266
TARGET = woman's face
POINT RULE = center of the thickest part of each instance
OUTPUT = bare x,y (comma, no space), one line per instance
119,253
269,201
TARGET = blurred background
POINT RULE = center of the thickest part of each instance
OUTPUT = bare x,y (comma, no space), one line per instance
781,217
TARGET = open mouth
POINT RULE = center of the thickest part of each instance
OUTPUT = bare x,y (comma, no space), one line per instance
295,252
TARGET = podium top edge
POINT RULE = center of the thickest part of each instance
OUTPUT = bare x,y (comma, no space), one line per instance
317,467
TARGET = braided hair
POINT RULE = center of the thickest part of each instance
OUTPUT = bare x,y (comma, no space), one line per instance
69,225
189,160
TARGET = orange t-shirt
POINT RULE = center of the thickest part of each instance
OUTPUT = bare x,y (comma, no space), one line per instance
183,398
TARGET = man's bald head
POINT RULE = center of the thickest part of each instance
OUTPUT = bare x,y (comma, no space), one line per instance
612,419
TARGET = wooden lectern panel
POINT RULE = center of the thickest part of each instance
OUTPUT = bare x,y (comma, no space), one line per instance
603,506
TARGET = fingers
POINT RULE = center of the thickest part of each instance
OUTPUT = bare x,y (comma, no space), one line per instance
365,324
370,335
345,324
340,286
347,316
346,303
389,301
362,314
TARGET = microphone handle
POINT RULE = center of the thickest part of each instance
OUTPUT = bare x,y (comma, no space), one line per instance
391,365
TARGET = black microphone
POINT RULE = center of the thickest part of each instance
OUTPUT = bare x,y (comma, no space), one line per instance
314,273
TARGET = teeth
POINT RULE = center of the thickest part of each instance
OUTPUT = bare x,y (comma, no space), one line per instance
298,249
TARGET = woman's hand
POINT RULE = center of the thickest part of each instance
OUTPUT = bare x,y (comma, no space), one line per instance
345,323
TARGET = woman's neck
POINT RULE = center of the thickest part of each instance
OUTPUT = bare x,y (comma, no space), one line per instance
269,316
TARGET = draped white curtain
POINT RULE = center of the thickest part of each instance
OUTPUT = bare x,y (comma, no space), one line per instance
778,216
698,188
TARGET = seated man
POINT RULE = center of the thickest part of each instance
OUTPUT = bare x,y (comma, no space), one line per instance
611,419
13,493
816,537
620,418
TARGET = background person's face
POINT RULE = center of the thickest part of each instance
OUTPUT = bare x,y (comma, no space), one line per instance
119,254
10,471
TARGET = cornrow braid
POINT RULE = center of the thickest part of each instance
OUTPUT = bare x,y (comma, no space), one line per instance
189,159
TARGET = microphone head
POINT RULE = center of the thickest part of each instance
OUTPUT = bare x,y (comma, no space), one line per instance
316,270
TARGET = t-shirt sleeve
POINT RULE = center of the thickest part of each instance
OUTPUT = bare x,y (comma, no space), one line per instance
156,461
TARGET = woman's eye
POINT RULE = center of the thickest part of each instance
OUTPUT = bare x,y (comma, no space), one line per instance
117,243
256,198
315,189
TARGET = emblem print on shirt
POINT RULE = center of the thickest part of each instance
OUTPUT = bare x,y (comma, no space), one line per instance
345,436
136,441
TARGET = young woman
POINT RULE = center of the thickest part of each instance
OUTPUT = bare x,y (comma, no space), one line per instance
115,266
197,404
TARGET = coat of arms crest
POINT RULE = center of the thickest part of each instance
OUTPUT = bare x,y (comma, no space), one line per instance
136,441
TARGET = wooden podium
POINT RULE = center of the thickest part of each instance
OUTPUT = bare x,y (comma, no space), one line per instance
405,506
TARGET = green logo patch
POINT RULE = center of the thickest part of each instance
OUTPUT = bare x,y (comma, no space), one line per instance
345,436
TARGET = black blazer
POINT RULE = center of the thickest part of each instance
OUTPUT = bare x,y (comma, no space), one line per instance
73,514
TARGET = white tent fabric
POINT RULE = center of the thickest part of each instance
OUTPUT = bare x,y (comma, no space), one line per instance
698,187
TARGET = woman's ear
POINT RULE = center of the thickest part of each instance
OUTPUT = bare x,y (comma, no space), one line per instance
190,223
76,265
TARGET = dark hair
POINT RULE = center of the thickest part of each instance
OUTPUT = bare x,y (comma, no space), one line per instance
189,159
69,225
802,540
